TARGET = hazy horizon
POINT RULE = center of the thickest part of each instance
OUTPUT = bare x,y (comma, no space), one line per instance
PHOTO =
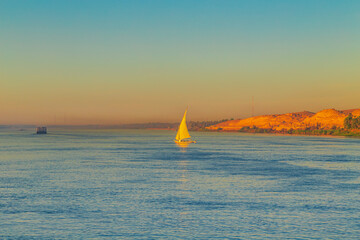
120,62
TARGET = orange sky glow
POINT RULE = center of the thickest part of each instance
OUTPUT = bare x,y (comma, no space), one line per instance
109,63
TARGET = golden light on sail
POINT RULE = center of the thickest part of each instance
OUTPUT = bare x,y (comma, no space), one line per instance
183,132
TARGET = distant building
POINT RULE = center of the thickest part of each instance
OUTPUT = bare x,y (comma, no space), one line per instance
41,130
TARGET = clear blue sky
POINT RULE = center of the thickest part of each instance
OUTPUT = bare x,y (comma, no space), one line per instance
134,61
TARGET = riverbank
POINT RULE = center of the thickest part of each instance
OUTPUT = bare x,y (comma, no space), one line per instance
297,132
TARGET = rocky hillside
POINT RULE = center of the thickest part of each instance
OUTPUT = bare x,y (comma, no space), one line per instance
325,119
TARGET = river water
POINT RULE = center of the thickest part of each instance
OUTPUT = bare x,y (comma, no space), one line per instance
138,184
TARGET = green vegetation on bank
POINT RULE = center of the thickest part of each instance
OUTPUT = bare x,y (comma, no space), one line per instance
307,131
352,122
351,128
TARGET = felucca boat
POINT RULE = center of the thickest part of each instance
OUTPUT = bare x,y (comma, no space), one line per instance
183,136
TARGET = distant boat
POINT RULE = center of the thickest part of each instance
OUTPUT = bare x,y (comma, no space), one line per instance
183,135
41,130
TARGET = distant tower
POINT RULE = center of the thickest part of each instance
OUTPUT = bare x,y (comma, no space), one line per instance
252,106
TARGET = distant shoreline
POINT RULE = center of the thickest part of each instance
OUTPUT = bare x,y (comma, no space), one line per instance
328,122
201,127
342,134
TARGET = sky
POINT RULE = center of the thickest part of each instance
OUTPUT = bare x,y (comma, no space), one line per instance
114,62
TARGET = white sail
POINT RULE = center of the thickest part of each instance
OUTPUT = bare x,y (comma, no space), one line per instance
182,132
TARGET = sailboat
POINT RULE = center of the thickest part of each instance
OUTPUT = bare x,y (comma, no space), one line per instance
183,135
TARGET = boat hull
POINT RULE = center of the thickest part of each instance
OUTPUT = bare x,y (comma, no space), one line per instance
184,142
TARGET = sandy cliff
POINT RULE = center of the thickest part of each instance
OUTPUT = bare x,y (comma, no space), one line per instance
324,119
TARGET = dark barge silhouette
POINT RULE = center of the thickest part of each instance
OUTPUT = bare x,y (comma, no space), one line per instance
41,130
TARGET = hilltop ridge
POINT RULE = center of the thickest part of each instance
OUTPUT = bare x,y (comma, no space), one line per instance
324,119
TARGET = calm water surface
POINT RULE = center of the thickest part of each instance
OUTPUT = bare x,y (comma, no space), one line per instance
122,184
